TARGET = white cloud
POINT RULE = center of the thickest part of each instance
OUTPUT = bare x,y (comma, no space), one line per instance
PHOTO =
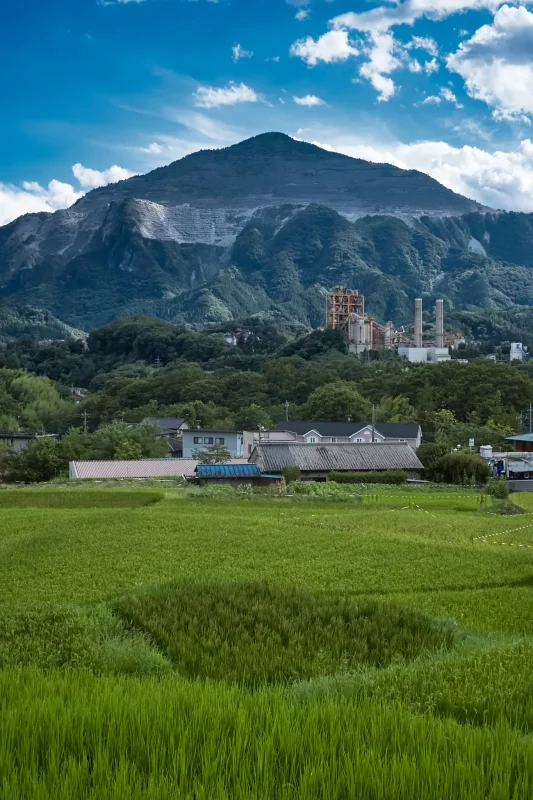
230,95
238,52
500,179
448,95
332,46
302,14
423,43
310,100
381,63
383,18
496,63
154,148
93,178
431,99
431,66
31,197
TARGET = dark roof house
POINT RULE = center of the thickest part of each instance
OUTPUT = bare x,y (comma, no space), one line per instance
168,425
318,460
347,430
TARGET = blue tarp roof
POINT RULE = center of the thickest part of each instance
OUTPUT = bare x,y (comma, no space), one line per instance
228,471
523,437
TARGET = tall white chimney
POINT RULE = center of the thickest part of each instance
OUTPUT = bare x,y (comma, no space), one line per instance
439,324
418,322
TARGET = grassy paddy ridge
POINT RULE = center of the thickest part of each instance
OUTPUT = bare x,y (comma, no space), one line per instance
201,648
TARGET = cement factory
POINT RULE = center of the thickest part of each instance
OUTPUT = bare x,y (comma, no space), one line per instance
345,311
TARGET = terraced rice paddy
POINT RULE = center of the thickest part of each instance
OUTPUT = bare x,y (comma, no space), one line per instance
199,648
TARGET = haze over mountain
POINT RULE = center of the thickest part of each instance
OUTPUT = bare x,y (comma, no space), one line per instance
266,226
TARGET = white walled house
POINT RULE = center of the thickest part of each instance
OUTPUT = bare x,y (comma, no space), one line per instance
312,432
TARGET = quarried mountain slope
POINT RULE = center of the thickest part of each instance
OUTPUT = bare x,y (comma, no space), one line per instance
267,226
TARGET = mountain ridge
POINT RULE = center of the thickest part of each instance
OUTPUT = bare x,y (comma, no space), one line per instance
272,169
244,242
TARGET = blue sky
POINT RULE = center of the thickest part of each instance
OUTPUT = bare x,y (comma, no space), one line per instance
95,90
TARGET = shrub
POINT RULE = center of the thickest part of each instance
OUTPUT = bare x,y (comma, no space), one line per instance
464,467
498,487
391,476
291,474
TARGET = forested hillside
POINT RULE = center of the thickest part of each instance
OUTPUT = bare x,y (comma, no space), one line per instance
143,367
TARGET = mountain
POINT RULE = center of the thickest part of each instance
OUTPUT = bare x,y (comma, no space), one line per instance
18,321
265,227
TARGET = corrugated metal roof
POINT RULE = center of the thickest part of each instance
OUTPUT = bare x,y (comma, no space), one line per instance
228,471
328,457
145,468
522,437
390,430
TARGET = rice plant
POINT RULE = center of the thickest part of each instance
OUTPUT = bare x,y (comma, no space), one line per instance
252,633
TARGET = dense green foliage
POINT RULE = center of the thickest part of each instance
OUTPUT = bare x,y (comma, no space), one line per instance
291,474
498,487
90,706
45,458
137,368
389,476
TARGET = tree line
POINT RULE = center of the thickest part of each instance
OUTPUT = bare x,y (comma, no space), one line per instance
137,368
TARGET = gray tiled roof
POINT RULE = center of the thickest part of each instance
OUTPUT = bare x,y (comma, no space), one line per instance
327,457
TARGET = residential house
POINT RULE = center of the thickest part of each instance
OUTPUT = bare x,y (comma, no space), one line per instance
17,441
354,432
202,439
316,461
171,429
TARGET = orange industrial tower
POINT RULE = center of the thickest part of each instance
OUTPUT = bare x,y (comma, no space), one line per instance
340,303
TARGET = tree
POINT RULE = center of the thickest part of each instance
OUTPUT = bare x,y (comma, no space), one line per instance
431,455
445,423
291,474
395,409
214,454
40,461
128,451
335,402
463,468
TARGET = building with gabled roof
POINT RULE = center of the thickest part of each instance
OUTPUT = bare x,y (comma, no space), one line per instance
313,432
316,461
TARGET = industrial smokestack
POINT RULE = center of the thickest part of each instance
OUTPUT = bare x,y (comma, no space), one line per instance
439,324
418,322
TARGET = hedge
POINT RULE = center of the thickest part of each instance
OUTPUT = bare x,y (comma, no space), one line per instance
389,476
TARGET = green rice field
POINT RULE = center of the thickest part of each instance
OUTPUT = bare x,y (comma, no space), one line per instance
162,644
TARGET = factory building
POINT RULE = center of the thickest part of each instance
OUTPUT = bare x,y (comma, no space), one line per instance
345,311
430,352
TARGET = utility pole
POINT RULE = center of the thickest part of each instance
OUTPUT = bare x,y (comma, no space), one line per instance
286,410
373,423
85,417
158,362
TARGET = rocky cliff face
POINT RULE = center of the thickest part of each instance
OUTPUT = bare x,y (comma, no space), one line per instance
265,226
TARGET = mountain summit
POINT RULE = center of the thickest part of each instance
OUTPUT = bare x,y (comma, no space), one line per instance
266,226
273,169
